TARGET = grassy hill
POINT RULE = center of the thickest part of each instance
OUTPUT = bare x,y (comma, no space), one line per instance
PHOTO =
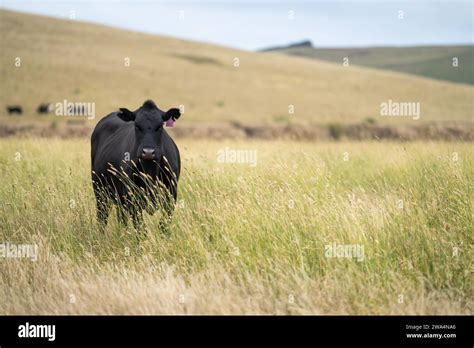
433,62
77,61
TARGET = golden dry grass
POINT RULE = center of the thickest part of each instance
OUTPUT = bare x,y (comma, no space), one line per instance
237,244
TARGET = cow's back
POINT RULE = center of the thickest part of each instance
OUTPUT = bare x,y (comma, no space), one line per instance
103,129
110,140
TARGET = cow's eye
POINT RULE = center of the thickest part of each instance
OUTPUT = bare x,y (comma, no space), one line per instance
138,128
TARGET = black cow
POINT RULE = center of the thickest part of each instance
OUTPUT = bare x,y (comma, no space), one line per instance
135,164
44,108
14,109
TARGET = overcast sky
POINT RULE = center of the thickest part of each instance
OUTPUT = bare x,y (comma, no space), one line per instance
258,24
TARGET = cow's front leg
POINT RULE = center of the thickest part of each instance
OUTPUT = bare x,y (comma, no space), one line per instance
102,204
168,203
122,210
122,216
103,207
137,217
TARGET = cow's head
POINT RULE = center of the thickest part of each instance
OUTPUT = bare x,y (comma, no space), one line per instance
149,121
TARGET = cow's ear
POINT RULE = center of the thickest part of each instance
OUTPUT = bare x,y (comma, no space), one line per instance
171,113
126,115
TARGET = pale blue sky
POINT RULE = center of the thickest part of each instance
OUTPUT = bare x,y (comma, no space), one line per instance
258,24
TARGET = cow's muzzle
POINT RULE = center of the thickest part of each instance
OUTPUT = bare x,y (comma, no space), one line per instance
148,154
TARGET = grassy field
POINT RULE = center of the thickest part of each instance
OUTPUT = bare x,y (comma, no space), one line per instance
433,62
82,62
247,239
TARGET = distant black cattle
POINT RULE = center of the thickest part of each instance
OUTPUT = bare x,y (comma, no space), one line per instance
135,160
14,109
44,108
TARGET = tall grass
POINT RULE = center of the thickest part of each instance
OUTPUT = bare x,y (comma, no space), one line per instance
246,239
